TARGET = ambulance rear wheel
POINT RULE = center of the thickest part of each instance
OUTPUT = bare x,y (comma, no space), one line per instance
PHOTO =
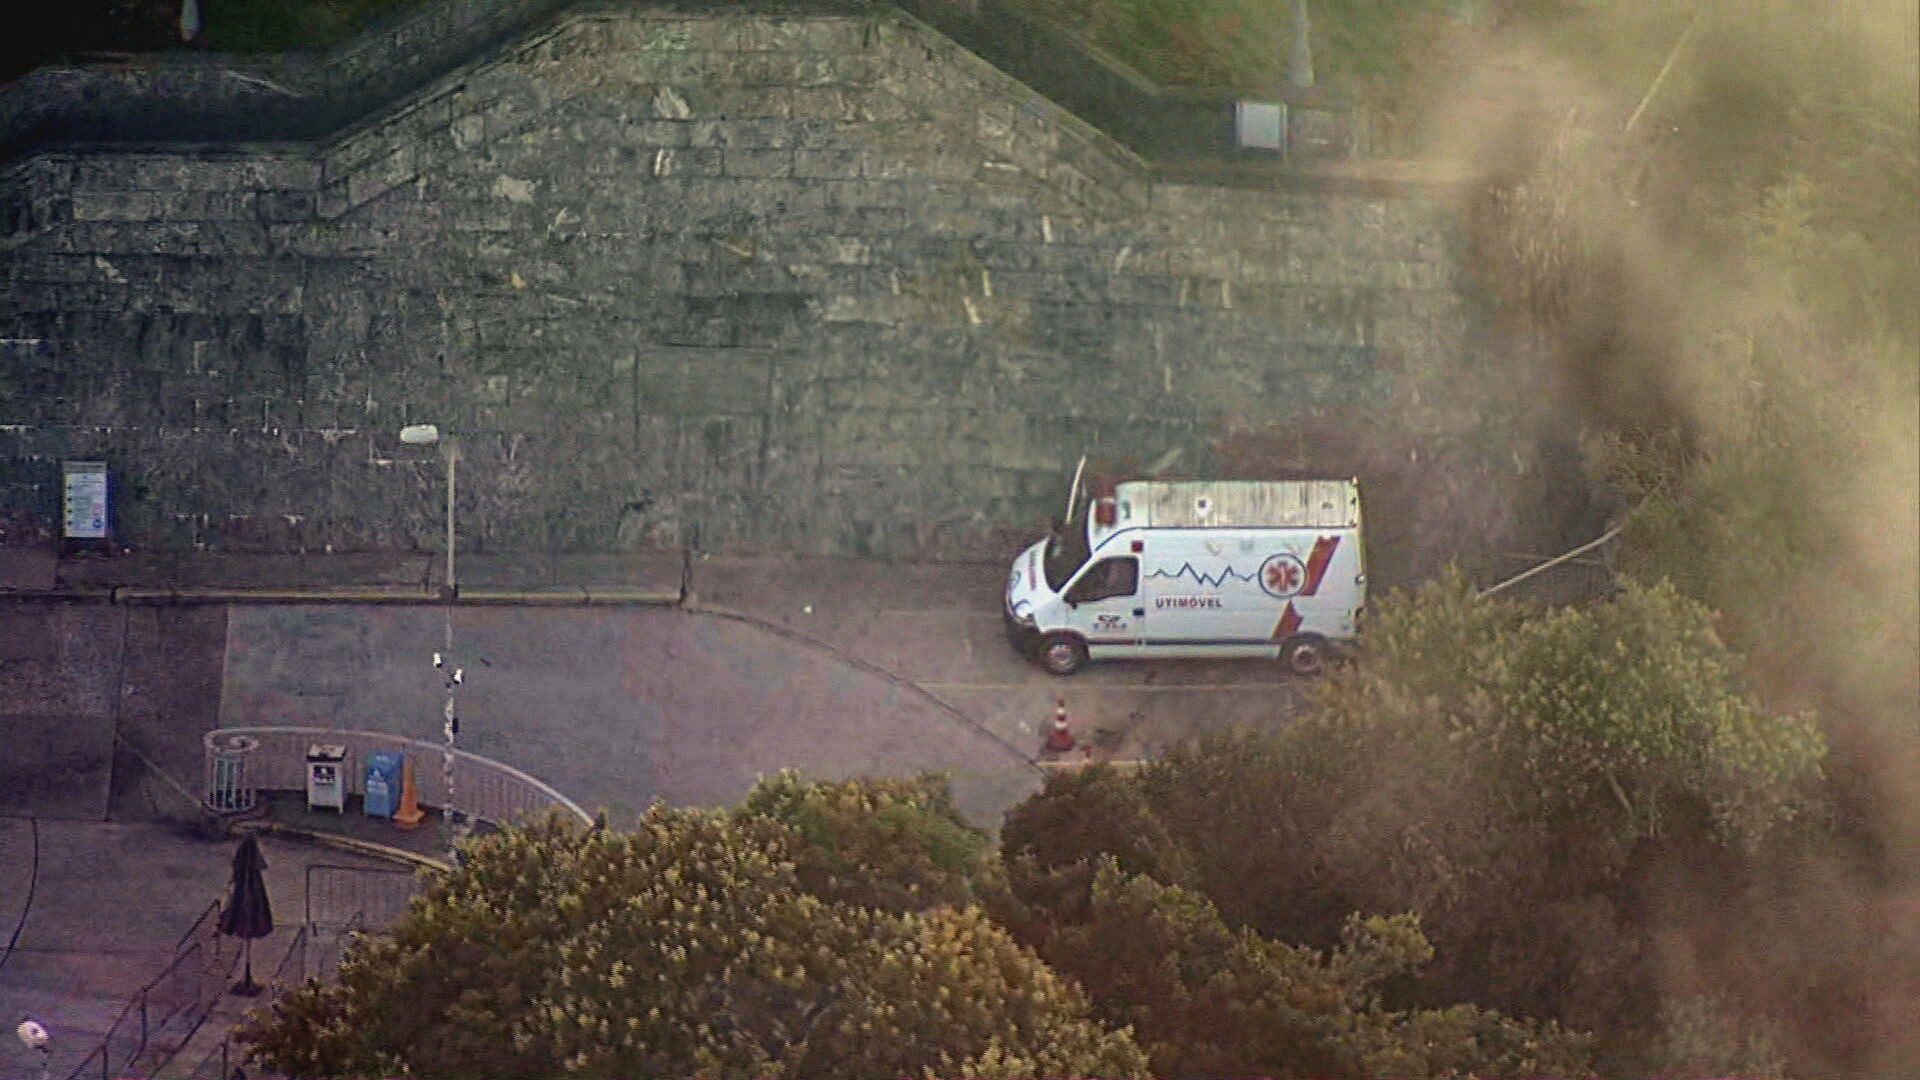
1063,654
1305,656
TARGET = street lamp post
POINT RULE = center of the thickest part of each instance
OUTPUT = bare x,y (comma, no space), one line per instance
452,676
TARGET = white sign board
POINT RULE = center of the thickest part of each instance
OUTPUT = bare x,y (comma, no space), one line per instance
86,499
1260,125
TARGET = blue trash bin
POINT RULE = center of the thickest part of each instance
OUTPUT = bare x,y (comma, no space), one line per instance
383,782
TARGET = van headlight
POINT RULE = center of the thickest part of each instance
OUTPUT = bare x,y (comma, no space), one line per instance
1023,614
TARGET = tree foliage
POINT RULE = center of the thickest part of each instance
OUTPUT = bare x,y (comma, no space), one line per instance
1210,999
1609,718
686,947
1521,783
897,844
1730,288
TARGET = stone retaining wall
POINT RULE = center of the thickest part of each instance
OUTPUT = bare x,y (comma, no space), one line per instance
812,283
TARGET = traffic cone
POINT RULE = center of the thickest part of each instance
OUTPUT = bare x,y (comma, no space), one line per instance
1060,736
408,815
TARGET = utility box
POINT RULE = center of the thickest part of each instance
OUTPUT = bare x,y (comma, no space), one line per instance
1260,125
384,777
326,777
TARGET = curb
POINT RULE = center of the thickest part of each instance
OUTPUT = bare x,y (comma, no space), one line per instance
573,596
576,596
344,843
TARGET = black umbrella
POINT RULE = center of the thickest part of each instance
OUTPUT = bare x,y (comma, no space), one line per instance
249,912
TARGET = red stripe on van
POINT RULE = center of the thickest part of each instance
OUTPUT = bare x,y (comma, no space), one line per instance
1289,622
1318,562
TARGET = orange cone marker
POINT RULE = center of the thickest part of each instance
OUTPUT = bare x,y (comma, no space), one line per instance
1060,737
409,815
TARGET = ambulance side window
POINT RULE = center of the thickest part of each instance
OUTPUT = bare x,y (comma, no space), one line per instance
1106,579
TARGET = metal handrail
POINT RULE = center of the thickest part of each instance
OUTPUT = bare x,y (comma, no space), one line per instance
212,912
299,945
205,1013
365,883
136,1008
275,985
490,790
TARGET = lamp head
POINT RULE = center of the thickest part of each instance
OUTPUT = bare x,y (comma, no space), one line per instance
32,1034
420,434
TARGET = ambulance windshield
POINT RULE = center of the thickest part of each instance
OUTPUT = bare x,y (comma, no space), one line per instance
1066,552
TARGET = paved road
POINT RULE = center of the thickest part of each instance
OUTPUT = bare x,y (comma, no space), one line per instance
939,625
613,707
833,667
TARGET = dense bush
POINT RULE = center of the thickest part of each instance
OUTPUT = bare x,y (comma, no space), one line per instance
1528,785
686,947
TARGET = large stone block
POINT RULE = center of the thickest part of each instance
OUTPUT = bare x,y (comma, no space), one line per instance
815,283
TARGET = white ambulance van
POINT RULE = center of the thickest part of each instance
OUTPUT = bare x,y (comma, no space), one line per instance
1195,568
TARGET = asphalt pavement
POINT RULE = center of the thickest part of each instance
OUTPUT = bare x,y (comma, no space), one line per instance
835,667
938,626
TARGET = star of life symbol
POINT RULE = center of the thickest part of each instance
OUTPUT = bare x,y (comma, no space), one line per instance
1282,576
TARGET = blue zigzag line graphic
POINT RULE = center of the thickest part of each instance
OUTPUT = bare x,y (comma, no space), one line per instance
1209,580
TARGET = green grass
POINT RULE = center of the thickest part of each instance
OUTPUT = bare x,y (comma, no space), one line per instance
280,25
1362,48
1241,45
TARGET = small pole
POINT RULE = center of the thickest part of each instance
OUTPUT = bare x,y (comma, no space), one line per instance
453,458
246,987
451,725
1553,562
1662,76
1300,55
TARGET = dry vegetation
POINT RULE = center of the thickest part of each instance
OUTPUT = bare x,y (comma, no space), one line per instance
1725,295
1701,239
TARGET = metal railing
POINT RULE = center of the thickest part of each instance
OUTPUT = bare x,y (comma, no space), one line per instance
326,946
218,1062
178,999
225,1051
314,953
490,791
341,895
160,1020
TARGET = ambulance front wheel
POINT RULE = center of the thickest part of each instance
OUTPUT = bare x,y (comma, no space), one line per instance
1063,654
1305,656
